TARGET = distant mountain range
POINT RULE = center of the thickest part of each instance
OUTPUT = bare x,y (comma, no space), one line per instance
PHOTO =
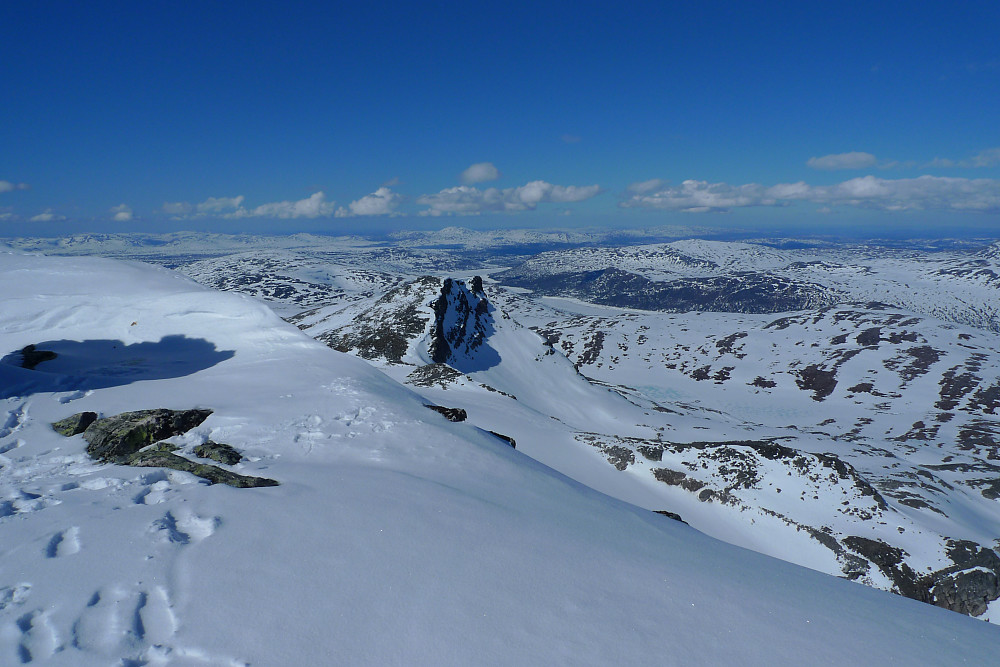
831,405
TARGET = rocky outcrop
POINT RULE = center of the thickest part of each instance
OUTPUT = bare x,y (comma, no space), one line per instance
462,321
431,375
673,515
971,583
891,561
451,414
506,438
74,424
115,439
133,439
218,452
387,329
967,587
160,456
440,351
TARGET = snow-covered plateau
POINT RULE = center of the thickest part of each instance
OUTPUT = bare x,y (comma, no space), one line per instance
399,534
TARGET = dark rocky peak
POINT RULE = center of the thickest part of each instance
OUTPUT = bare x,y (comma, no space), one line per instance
463,321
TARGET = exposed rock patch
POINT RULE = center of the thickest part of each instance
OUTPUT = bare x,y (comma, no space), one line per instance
114,439
506,438
224,454
386,330
433,374
74,424
451,414
972,583
820,381
462,322
133,439
673,515
159,456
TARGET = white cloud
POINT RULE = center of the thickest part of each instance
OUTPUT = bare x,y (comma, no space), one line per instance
381,202
858,160
462,200
480,173
121,213
696,196
177,208
852,160
646,186
214,205
987,158
904,194
47,216
467,200
314,206
7,186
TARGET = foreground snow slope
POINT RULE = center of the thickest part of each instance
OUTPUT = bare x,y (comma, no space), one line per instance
396,537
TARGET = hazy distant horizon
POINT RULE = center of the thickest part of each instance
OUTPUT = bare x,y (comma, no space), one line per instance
665,231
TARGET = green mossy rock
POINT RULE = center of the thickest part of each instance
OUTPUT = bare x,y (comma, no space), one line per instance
218,452
74,424
115,439
159,457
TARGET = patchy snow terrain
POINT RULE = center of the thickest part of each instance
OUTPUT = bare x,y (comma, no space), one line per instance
400,535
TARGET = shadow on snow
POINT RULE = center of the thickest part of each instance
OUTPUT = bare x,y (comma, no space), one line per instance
97,364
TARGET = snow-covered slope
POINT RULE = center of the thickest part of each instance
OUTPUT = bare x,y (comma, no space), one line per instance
395,537
714,412
726,431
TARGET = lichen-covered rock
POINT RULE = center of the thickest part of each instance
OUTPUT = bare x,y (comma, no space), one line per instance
159,457
115,439
74,424
218,452
451,414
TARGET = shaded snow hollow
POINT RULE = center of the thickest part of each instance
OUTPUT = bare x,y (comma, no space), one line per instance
396,537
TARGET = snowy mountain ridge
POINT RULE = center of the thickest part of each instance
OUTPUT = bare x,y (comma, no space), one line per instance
403,520
830,506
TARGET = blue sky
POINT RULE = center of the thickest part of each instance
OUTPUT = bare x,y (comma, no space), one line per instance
332,117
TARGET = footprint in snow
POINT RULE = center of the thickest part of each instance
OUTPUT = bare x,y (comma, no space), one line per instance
10,446
75,396
14,596
155,616
20,501
111,622
360,415
39,640
185,529
152,494
64,543
13,420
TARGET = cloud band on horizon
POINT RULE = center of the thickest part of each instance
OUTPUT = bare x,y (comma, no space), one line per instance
870,192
